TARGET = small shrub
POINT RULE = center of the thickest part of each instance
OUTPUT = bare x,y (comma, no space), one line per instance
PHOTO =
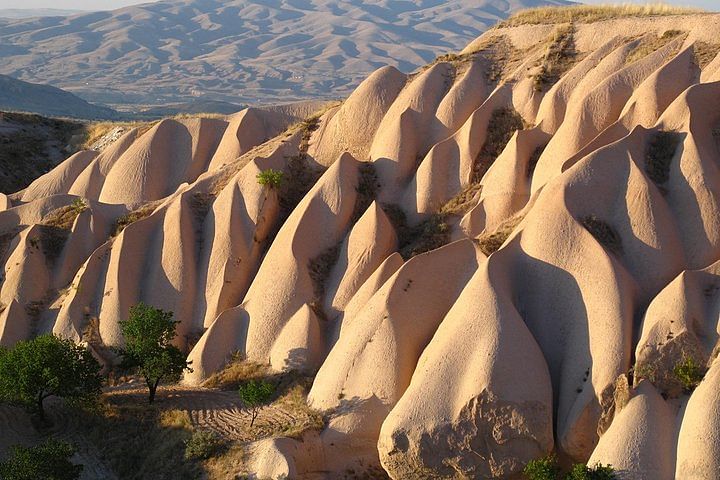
48,461
202,445
659,154
270,178
598,472
138,214
603,233
503,123
545,468
255,394
689,373
367,189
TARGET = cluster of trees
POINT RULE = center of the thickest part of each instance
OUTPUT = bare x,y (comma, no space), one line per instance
47,366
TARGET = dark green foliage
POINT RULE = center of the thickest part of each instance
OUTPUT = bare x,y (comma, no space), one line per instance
270,178
659,154
255,394
545,468
689,373
503,123
598,472
36,369
148,350
603,233
202,445
47,461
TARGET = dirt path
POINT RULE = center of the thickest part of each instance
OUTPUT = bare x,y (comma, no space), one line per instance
218,410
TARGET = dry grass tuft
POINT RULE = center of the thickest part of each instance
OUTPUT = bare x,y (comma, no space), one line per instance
234,373
559,57
64,217
603,233
174,418
651,44
95,131
490,242
138,214
592,13
706,53
461,203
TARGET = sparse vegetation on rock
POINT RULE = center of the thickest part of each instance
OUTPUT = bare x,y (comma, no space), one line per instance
689,373
591,13
270,178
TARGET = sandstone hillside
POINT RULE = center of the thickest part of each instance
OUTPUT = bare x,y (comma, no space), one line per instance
512,251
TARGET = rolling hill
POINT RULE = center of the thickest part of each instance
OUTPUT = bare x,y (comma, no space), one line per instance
239,51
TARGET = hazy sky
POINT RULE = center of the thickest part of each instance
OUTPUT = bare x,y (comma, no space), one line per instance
110,4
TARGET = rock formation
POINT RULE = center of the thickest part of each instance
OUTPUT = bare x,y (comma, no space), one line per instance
511,252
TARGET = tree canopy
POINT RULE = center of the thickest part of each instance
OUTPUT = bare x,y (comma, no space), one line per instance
36,369
47,461
148,348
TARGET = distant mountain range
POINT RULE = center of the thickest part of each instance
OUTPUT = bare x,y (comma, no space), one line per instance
239,51
46,100
36,12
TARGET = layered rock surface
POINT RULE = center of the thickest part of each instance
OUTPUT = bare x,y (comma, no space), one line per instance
506,254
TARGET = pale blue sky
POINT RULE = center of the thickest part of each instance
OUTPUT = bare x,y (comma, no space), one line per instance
110,4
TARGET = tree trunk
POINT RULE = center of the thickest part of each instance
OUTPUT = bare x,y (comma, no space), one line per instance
41,409
254,416
153,388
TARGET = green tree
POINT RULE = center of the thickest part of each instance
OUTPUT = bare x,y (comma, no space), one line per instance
47,461
255,394
148,349
36,369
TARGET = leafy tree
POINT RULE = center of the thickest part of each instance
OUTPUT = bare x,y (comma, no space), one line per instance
271,178
47,461
148,350
255,394
36,369
545,468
